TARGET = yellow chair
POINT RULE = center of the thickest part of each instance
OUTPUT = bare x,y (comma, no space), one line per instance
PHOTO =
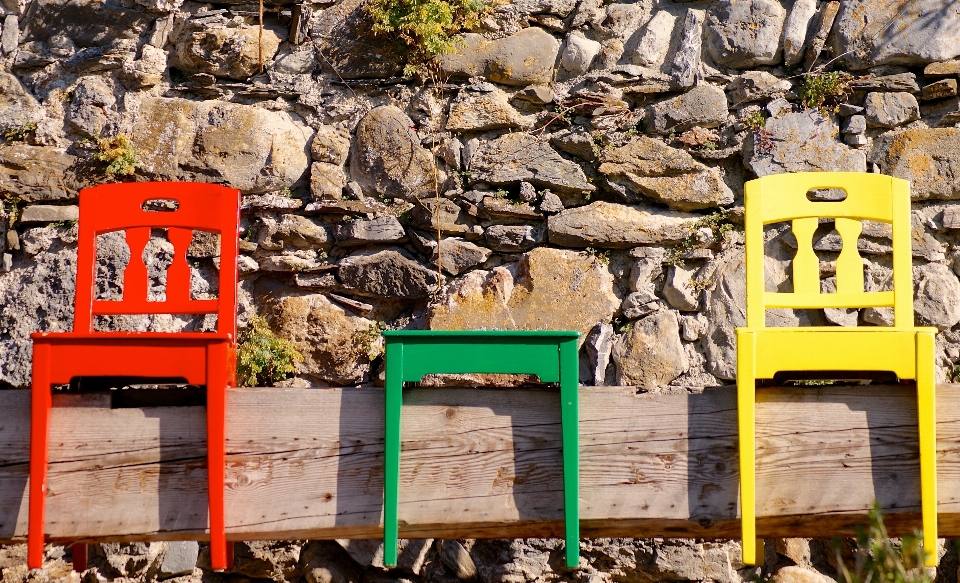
904,349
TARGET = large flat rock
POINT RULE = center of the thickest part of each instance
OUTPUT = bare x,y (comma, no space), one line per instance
346,45
524,58
232,52
906,32
705,105
800,142
87,24
40,173
549,289
650,168
929,159
745,33
483,110
249,148
388,160
17,104
333,341
650,355
522,157
389,273
618,226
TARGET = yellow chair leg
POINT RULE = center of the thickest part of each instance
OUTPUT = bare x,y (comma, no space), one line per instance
746,398
927,418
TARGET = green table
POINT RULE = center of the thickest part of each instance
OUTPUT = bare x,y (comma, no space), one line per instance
549,354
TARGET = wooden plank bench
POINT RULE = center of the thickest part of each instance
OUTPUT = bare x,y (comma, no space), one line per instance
308,463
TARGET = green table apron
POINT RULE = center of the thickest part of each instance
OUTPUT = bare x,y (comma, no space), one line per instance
549,354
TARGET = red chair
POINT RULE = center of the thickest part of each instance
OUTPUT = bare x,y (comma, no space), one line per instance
200,358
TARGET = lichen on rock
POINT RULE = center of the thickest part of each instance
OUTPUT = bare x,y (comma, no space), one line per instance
548,289
249,148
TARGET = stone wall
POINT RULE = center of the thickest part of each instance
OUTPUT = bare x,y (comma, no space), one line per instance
577,164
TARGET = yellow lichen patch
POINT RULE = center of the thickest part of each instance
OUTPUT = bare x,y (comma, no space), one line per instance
549,289
925,158
918,163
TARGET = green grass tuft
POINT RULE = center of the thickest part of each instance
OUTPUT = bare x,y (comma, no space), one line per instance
119,155
424,28
263,358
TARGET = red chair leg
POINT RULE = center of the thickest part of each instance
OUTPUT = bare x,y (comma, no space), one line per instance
41,400
216,451
79,552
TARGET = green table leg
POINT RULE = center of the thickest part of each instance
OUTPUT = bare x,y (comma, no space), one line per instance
569,420
391,455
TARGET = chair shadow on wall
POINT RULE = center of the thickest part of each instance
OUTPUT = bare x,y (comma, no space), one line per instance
182,496
179,472
891,457
532,475
177,467
14,464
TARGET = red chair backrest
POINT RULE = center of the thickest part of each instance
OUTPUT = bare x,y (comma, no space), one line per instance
119,207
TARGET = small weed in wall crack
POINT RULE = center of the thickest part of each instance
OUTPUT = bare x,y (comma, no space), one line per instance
700,285
719,223
622,326
762,137
824,91
119,155
365,342
263,358
19,132
955,374
13,201
601,256
755,121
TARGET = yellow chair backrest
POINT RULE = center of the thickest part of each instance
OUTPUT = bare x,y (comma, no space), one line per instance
873,197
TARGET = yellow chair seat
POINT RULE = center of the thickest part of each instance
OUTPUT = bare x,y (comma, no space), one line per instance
826,348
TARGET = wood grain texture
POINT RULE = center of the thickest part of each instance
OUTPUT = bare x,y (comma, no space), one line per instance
308,463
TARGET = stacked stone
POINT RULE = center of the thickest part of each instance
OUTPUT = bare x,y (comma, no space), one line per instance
449,561
568,170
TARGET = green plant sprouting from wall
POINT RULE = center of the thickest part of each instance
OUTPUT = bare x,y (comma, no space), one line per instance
425,28
824,91
719,223
755,121
19,132
366,342
13,201
622,326
701,285
762,137
119,155
879,560
601,256
263,358
955,374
